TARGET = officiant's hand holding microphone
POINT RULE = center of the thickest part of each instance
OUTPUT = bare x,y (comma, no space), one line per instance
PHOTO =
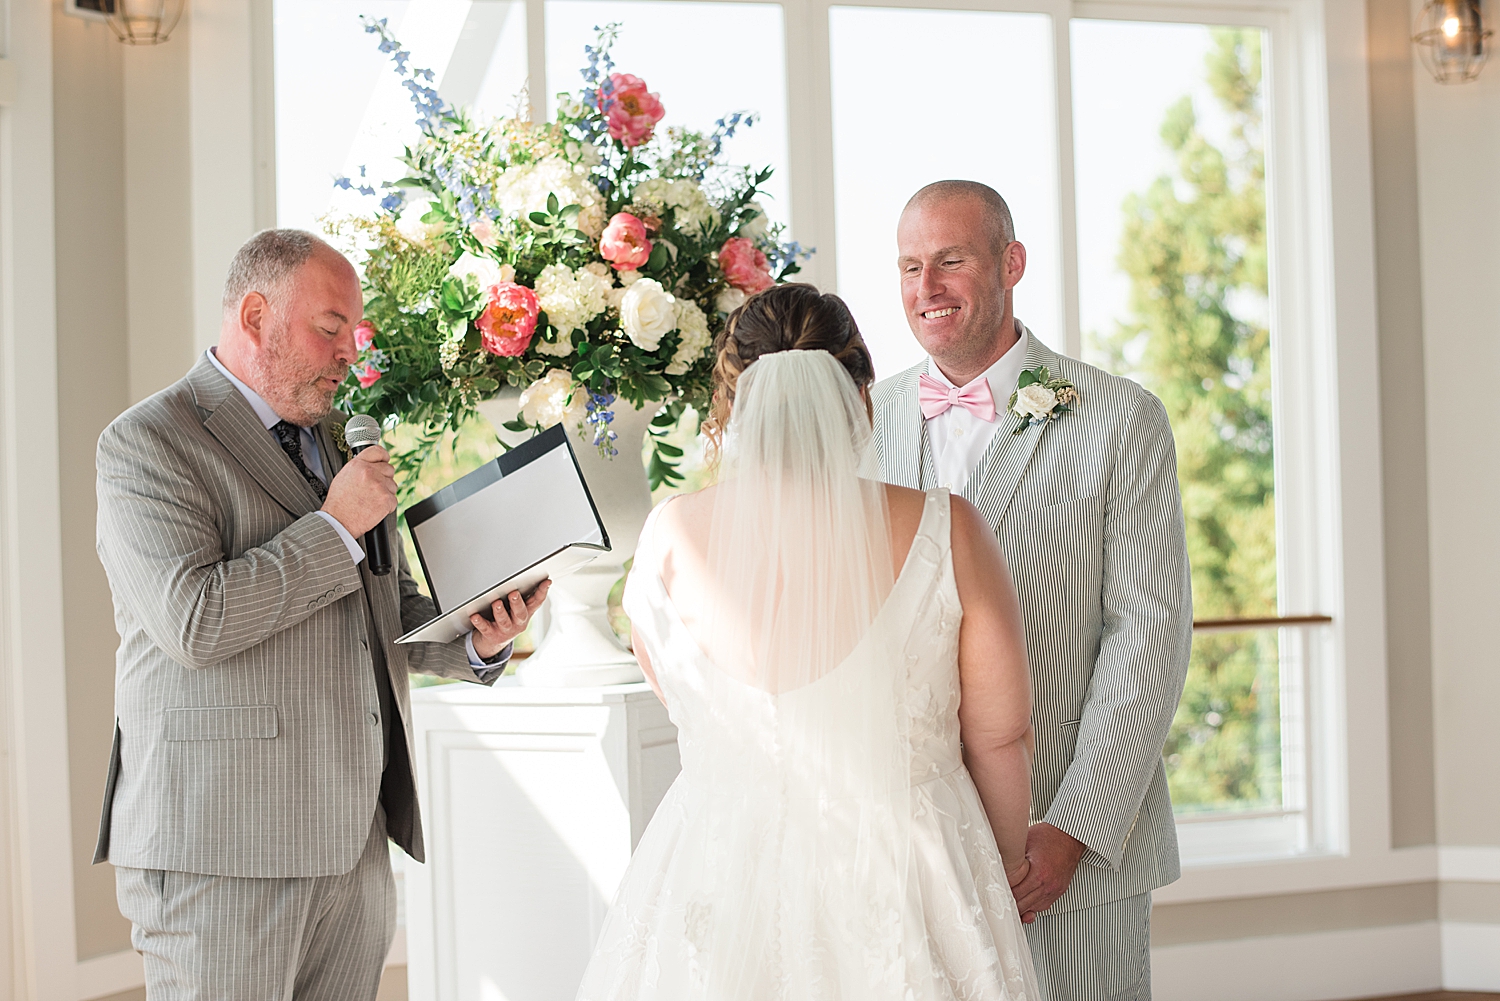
363,493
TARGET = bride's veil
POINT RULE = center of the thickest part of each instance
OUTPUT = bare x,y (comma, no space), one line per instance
799,546
810,900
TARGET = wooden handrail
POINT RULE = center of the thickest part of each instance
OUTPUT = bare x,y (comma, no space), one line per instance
1274,622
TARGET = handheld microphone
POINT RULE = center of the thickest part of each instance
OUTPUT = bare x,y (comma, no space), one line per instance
360,433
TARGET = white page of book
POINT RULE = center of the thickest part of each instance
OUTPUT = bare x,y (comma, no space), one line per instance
489,536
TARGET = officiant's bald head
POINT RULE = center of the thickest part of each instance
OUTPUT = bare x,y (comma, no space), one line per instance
291,303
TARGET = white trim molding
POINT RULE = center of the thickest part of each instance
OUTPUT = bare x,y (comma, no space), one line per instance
37,956
108,975
7,82
1320,967
1471,956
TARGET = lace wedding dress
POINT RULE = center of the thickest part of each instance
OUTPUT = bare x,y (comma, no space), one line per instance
823,842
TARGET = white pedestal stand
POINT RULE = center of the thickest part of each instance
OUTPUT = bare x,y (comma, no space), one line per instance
533,800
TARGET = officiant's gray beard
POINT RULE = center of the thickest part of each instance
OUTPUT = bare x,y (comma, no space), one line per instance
291,391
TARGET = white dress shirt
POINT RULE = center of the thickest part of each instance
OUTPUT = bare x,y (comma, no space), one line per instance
959,439
313,456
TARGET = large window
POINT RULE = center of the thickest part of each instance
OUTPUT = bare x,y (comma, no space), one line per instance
1160,171
921,95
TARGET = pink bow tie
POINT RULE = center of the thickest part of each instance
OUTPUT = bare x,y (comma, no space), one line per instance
938,397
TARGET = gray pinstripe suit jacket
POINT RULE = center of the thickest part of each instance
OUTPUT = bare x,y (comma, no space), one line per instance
247,740
1089,515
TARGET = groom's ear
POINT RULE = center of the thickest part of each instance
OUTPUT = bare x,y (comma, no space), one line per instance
1012,264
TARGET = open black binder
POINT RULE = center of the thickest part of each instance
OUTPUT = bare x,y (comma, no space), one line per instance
507,526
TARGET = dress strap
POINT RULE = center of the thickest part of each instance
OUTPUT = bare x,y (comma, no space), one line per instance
937,516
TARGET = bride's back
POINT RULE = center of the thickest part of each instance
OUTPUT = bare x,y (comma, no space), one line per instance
683,541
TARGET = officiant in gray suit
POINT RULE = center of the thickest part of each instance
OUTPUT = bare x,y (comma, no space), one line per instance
1082,492
262,751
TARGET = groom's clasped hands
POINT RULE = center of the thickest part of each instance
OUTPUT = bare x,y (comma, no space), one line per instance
1052,856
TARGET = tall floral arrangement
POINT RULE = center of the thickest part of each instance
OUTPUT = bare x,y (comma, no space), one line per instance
584,260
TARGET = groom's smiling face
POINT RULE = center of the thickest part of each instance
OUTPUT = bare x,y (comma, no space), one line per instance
954,279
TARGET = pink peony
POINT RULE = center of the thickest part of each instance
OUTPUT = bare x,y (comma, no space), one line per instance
508,320
364,335
631,110
367,376
745,267
624,243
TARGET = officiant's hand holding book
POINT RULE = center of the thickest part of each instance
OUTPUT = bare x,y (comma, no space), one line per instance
507,619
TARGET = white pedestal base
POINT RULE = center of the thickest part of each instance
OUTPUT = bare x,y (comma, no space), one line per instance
532,800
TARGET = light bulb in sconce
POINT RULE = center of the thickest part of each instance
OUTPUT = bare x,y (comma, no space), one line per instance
1453,39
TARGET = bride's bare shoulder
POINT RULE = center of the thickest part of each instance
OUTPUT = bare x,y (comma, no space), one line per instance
682,513
904,499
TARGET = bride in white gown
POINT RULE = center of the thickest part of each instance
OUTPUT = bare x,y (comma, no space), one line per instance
833,834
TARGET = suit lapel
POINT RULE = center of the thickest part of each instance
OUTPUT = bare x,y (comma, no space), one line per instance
999,473
233,422
905,433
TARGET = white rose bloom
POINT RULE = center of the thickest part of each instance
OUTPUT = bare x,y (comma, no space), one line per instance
483,270
554,399
755,227
522,190
1035,400
729,300
647,313
692,328
693,212
570,298
410,225
599,268
629,278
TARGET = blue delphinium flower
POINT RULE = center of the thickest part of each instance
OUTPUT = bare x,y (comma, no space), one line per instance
600,417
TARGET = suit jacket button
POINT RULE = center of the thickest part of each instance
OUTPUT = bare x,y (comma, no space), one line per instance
374,719
339,589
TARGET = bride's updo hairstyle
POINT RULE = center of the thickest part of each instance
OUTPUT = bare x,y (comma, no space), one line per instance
792,317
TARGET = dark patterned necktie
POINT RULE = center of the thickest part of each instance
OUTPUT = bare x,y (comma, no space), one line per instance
290,436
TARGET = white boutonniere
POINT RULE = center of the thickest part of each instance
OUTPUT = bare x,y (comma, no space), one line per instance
1040,399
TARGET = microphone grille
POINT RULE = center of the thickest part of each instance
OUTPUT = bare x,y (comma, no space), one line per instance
361,431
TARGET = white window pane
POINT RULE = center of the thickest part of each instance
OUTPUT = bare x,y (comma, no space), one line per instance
926,95
1173,291
669,46
340,105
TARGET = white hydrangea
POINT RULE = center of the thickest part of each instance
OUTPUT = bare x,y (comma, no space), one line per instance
523,189
647,313
692,328
554,399
695,215
571,298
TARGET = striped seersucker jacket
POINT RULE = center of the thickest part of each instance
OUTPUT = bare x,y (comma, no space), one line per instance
247,737
1089,516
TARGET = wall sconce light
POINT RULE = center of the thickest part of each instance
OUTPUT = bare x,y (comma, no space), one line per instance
134,22
1453,39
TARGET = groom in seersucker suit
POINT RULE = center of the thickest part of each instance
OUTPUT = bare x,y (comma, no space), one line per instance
1088,512
262,749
